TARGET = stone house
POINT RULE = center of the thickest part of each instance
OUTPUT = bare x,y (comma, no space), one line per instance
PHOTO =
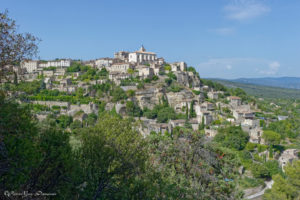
256,136
145,71
235,101
213,95
60,72
48,73
206,116
116,77
30,65
241,114
157,69
210,132
56,63
120,67
177,122
104,62
122,55
194,123
178,66
287,157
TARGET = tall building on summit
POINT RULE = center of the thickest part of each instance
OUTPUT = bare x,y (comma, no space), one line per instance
142,56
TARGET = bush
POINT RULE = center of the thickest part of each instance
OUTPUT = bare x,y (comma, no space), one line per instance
167,67
171,75
140,85
165,114
196,92
118,94
232,137
260,171
155,78
133,110
168,81
250,146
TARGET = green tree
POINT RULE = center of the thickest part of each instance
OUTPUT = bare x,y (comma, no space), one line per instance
14,47
130,93
192,111
118,94
286,188
188,169
272,138
232,137
31,158
111,156
133,110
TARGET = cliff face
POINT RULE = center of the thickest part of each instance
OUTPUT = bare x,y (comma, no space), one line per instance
187,79
152,93
149,97
179,99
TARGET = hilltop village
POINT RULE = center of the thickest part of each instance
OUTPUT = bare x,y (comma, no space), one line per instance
160,100
159,95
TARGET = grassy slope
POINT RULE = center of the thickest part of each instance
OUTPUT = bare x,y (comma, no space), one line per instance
263,91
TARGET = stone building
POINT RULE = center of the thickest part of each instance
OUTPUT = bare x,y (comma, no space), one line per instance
178,66
104,62
120,67
48,73
157,69
142,56
287,157
60,63
213,95
235,101
30,65
122,55
116,77
145,71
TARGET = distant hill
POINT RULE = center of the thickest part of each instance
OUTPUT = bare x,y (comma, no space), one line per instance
262,91
284,82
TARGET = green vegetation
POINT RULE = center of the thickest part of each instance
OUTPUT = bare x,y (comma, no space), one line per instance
133,110
286,187
263,91
167,67
232,137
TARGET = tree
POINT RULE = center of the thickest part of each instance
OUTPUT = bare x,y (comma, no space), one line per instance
14,46
165,114
118,94
64,121
130,93
189,169
192,111
286,188
111,156
232,137
132,109
130,71
272,138
32,158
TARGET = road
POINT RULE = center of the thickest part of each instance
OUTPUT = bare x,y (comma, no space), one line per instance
258,194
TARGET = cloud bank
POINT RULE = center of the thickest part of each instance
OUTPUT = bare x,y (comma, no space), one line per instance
242,10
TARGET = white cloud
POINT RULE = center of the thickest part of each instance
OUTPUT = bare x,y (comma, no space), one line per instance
238,67
242,10
224,31
273,68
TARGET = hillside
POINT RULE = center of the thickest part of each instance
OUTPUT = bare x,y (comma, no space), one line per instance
262,91
283,82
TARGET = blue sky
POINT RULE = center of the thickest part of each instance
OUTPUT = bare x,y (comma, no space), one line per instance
220,38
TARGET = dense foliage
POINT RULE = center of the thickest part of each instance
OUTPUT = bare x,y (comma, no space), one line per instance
232,137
